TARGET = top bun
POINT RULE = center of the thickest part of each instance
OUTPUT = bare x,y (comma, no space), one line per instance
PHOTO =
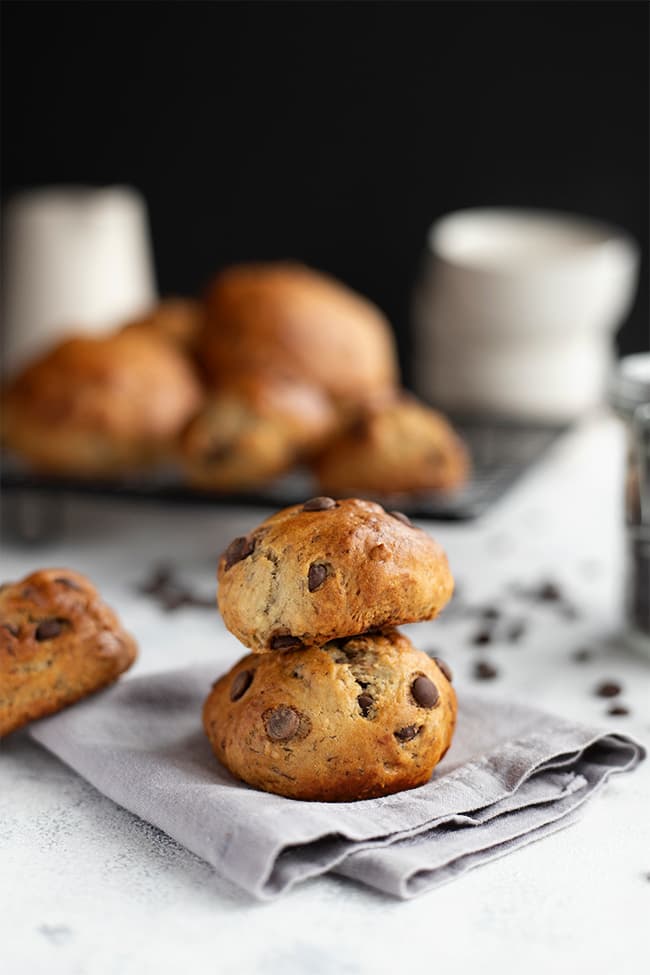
298,322
325,570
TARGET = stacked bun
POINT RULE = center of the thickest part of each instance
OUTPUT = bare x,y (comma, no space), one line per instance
333,703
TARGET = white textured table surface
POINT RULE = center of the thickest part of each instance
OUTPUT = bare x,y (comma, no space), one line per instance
85,887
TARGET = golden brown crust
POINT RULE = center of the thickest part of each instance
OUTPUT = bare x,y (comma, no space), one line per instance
333,724
58,643
290,319
253,429
179,320
100,405
310,576
397,445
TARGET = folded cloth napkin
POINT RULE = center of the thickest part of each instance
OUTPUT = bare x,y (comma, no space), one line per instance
512,775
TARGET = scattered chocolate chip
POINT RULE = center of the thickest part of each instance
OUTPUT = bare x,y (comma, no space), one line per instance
582,655
319,504
239,549
160,577
491,613
516,631
365,702
485,671
445,668
11,628
48,629
281,723
618,710
401,517
316,576
425,692
68,583
408,733
284,641
240,684
482,637
608,688
173,597
549,592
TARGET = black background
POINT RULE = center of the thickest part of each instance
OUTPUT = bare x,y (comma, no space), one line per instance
332,132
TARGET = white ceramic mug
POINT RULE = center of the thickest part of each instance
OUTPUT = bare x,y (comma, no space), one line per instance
515,312
75,259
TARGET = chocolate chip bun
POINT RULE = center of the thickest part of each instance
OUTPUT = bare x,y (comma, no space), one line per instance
326,570
96,406
292,320
58,643
396,446
179,320
253,429
354,719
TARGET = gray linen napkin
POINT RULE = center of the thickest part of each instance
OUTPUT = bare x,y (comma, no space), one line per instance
512,775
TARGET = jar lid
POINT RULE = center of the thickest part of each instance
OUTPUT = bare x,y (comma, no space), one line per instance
629,386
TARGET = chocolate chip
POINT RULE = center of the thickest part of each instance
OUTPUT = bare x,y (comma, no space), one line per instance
240,684
549,592
11,628
401,517
281,723
425,692
582,655
68,583
316,576
516,631
48,629
608,688
485,671
218,454
319,504
618,710
160,577
239,549
365,702
482,637
284,641
445,668
408,733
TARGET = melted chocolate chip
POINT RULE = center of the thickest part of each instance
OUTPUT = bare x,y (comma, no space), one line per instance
11,628
618,710
316,576
401,517
284,641
608,688
239,549
425,693
319,504
485,671
48,629
240,684
281,723
445,668
68,583
365,702
408,733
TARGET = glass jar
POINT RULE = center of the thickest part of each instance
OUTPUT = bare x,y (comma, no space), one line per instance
630,397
